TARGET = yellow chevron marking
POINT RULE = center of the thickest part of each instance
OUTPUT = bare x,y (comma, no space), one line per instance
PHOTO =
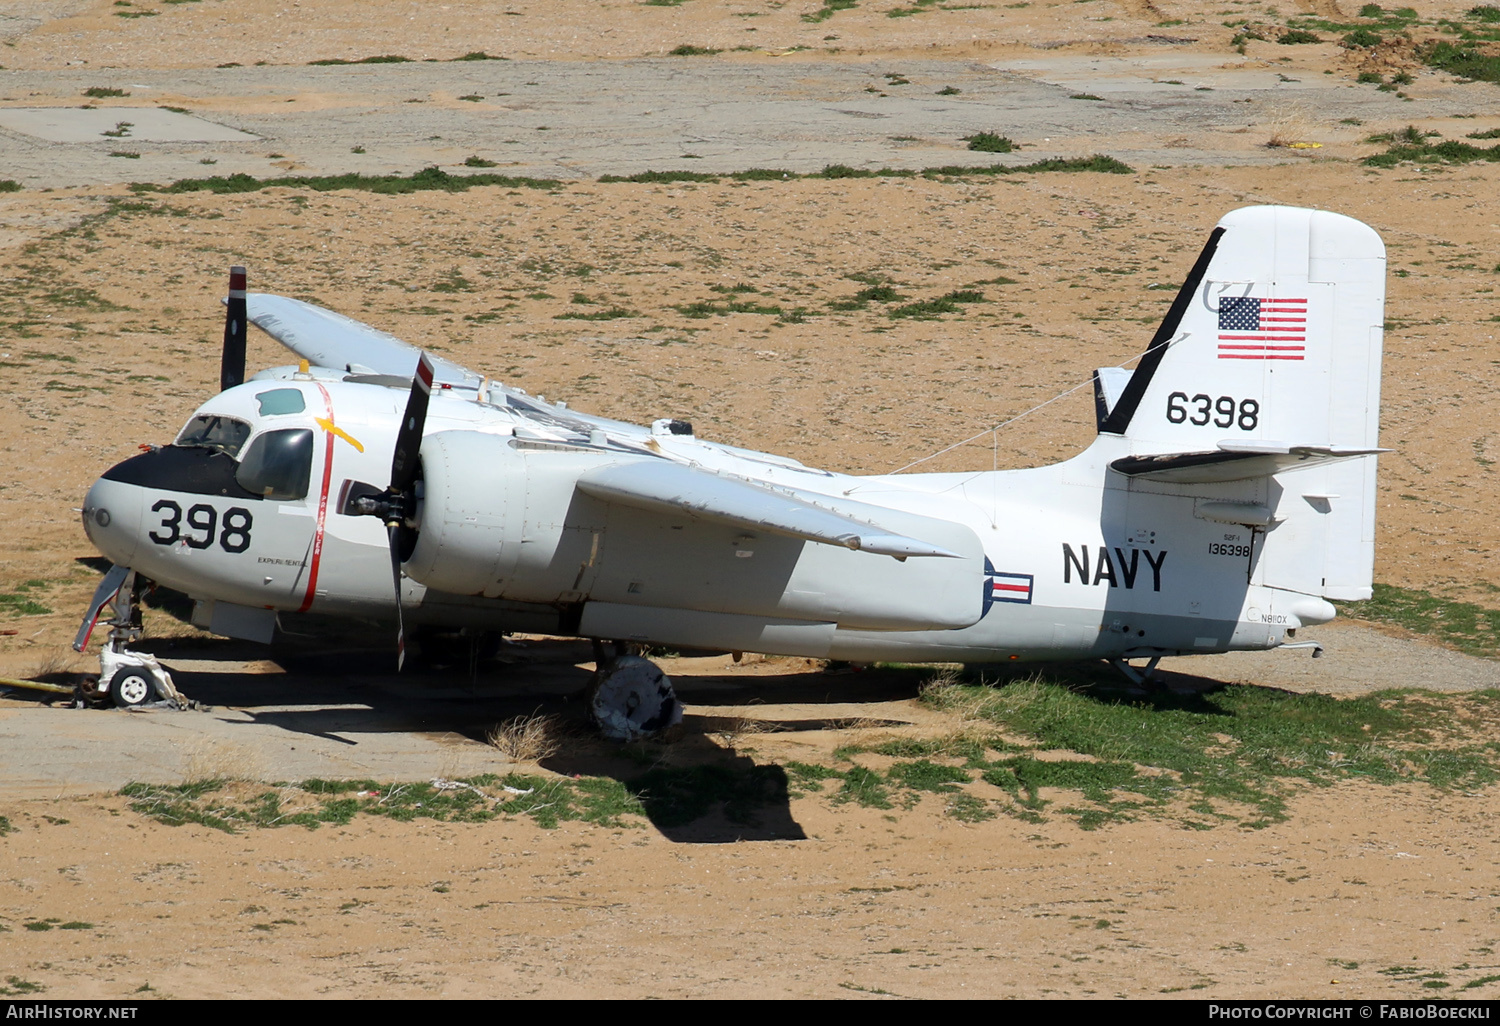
331,428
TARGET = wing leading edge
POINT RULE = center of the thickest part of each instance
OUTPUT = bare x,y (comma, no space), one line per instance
328,339
675,488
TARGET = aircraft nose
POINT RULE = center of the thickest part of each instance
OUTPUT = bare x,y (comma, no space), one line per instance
112,519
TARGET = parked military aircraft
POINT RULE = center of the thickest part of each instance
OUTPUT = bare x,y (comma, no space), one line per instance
1229,494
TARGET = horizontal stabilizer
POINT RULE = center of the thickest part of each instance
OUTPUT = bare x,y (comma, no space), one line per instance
327,339
676,488
1233,461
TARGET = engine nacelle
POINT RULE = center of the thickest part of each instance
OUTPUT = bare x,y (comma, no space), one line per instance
504,518
492,520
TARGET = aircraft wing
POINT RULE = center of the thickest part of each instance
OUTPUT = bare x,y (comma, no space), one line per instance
329,339
662,486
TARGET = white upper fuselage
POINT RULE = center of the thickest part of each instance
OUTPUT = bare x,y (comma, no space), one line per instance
1072,568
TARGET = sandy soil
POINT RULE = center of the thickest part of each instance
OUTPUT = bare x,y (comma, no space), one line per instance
109,321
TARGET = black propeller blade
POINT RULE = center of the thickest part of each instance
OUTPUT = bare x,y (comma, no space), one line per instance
409,439
232,362
393,535
403,481
397,506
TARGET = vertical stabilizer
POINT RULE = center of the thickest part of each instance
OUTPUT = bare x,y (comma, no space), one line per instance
1275,342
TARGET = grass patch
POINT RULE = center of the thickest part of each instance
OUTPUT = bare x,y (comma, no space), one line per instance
1099,163
16,987
989,142
668,797
1460,60
661,177
613,313
9,185
688,50
20,602
829,9
1467,627
928,309
1410,146
103,92
231,806
388,58
426,180
722,308
673,797
436,179
1237,755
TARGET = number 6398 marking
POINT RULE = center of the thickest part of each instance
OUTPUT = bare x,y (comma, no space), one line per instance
202,522
1223,411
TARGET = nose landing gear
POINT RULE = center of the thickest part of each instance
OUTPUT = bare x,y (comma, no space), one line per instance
128,678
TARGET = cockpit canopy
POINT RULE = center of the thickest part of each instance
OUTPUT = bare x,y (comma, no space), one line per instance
215,431
276,465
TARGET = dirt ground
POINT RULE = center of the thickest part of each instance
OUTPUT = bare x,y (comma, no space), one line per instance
109,327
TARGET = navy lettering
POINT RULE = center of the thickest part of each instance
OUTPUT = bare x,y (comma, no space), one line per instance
1071,561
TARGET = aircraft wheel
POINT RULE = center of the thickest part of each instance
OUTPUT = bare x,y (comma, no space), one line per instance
630,699
131,686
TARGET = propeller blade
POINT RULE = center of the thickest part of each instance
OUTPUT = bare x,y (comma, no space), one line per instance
232,362
409,438
393,533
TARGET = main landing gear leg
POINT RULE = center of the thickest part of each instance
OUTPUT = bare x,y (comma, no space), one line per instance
630,698
129,678
1145,677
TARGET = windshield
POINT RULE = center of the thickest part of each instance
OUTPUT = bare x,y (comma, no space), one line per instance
212,431
278,464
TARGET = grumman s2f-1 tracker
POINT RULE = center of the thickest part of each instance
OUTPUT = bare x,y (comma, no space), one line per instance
1229,494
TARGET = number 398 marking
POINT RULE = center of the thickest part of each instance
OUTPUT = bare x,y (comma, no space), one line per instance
202,523
1223,411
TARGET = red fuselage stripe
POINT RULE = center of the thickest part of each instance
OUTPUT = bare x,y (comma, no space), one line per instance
317,549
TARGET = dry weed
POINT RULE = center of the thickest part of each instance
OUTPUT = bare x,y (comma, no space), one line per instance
528,738
1293,129
212,759
56,664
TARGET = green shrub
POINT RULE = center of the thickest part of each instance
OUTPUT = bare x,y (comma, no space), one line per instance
989,142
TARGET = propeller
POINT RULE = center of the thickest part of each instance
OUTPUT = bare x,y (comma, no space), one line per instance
397,505
232,362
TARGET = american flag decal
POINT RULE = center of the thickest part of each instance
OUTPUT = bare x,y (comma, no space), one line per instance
1005,587
1262,329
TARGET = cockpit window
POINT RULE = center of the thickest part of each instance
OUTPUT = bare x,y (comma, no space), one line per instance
278,464
280,401
212,431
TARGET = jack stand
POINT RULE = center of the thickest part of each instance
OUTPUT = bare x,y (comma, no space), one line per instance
129,678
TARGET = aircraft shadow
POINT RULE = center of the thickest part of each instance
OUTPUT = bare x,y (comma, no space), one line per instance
692,786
